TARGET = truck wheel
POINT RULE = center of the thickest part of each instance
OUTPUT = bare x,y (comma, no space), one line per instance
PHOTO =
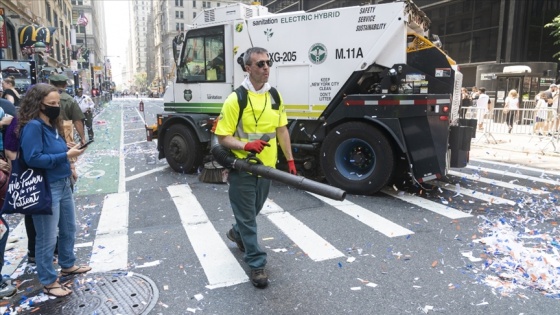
358,158
182,152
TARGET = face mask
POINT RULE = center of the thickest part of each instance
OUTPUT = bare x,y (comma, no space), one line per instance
51,111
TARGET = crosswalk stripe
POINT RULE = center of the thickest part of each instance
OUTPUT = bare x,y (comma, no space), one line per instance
110,247
516,175
220,266
314,246
367,217
477,178
429,205
533,169
479,195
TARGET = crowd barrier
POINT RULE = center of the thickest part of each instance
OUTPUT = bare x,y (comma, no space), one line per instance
525,120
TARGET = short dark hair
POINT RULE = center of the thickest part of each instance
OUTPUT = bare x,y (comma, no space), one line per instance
481,89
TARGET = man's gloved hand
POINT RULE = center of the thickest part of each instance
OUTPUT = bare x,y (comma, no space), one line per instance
292,167
256,146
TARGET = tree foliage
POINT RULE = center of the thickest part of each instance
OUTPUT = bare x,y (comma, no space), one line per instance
141,81
555,26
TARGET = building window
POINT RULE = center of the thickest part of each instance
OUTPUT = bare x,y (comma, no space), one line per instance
48,8
194,4
179,14
178,3
193,15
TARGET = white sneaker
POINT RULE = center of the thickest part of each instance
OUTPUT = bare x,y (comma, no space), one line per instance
13,239
10,246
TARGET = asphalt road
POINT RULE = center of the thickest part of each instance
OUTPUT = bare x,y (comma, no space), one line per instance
482,241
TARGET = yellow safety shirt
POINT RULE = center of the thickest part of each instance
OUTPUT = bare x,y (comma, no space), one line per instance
258,119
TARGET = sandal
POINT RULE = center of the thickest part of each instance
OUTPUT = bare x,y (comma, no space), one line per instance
48,291
75,271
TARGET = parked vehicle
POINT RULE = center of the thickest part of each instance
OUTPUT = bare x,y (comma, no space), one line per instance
368,96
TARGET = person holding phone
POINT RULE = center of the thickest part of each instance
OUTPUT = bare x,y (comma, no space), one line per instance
39,119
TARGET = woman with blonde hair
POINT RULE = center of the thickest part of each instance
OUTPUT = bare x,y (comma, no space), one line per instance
541,114
10,93
511,107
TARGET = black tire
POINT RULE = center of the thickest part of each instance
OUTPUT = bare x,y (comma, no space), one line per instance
182,151
358,158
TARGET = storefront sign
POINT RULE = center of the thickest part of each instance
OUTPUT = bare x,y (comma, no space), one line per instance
3,32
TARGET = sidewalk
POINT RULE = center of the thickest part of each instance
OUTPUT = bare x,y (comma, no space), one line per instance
541,152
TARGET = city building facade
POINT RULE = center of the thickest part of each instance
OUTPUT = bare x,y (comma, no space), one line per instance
59,18
90,43
171,18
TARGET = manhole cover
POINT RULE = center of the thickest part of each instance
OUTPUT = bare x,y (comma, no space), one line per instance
106,293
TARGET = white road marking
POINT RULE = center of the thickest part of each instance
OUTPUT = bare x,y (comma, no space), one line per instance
429,205
110,247
367,217
311,243
516,175
146,173
477,178
220,266
516,166
122,174
479,195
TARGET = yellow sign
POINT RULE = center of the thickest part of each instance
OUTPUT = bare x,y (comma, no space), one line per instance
97,68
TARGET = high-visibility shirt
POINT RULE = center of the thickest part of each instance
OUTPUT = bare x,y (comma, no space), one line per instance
258,119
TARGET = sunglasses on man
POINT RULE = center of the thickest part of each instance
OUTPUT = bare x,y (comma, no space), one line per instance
261,63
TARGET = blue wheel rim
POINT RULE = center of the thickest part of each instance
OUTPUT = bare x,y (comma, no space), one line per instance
355,159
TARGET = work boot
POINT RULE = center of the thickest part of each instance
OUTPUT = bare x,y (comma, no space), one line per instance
259,278
234,238
6,289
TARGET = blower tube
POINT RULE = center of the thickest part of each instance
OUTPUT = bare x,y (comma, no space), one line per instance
224,156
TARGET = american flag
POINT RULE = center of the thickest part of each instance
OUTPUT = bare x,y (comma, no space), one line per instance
82,20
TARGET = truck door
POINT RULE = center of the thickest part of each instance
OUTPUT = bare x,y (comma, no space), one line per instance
203,76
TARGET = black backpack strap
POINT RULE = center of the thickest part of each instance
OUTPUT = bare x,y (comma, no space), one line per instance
276,97
241,92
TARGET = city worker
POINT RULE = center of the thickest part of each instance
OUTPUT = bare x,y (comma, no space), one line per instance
247,192
86,106
69,110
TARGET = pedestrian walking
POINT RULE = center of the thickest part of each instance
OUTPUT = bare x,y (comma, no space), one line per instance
242,133
86,106
481,107
511,108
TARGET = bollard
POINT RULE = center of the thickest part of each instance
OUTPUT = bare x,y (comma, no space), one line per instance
141,106
149,133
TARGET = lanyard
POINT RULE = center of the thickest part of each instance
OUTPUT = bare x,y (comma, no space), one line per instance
253,110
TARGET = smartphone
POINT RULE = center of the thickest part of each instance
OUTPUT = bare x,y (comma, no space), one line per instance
85,144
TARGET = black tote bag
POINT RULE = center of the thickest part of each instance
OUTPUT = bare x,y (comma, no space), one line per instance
28,190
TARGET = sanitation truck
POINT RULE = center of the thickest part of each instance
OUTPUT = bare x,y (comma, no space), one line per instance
370,96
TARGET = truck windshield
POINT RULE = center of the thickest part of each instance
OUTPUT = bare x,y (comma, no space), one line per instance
202,59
